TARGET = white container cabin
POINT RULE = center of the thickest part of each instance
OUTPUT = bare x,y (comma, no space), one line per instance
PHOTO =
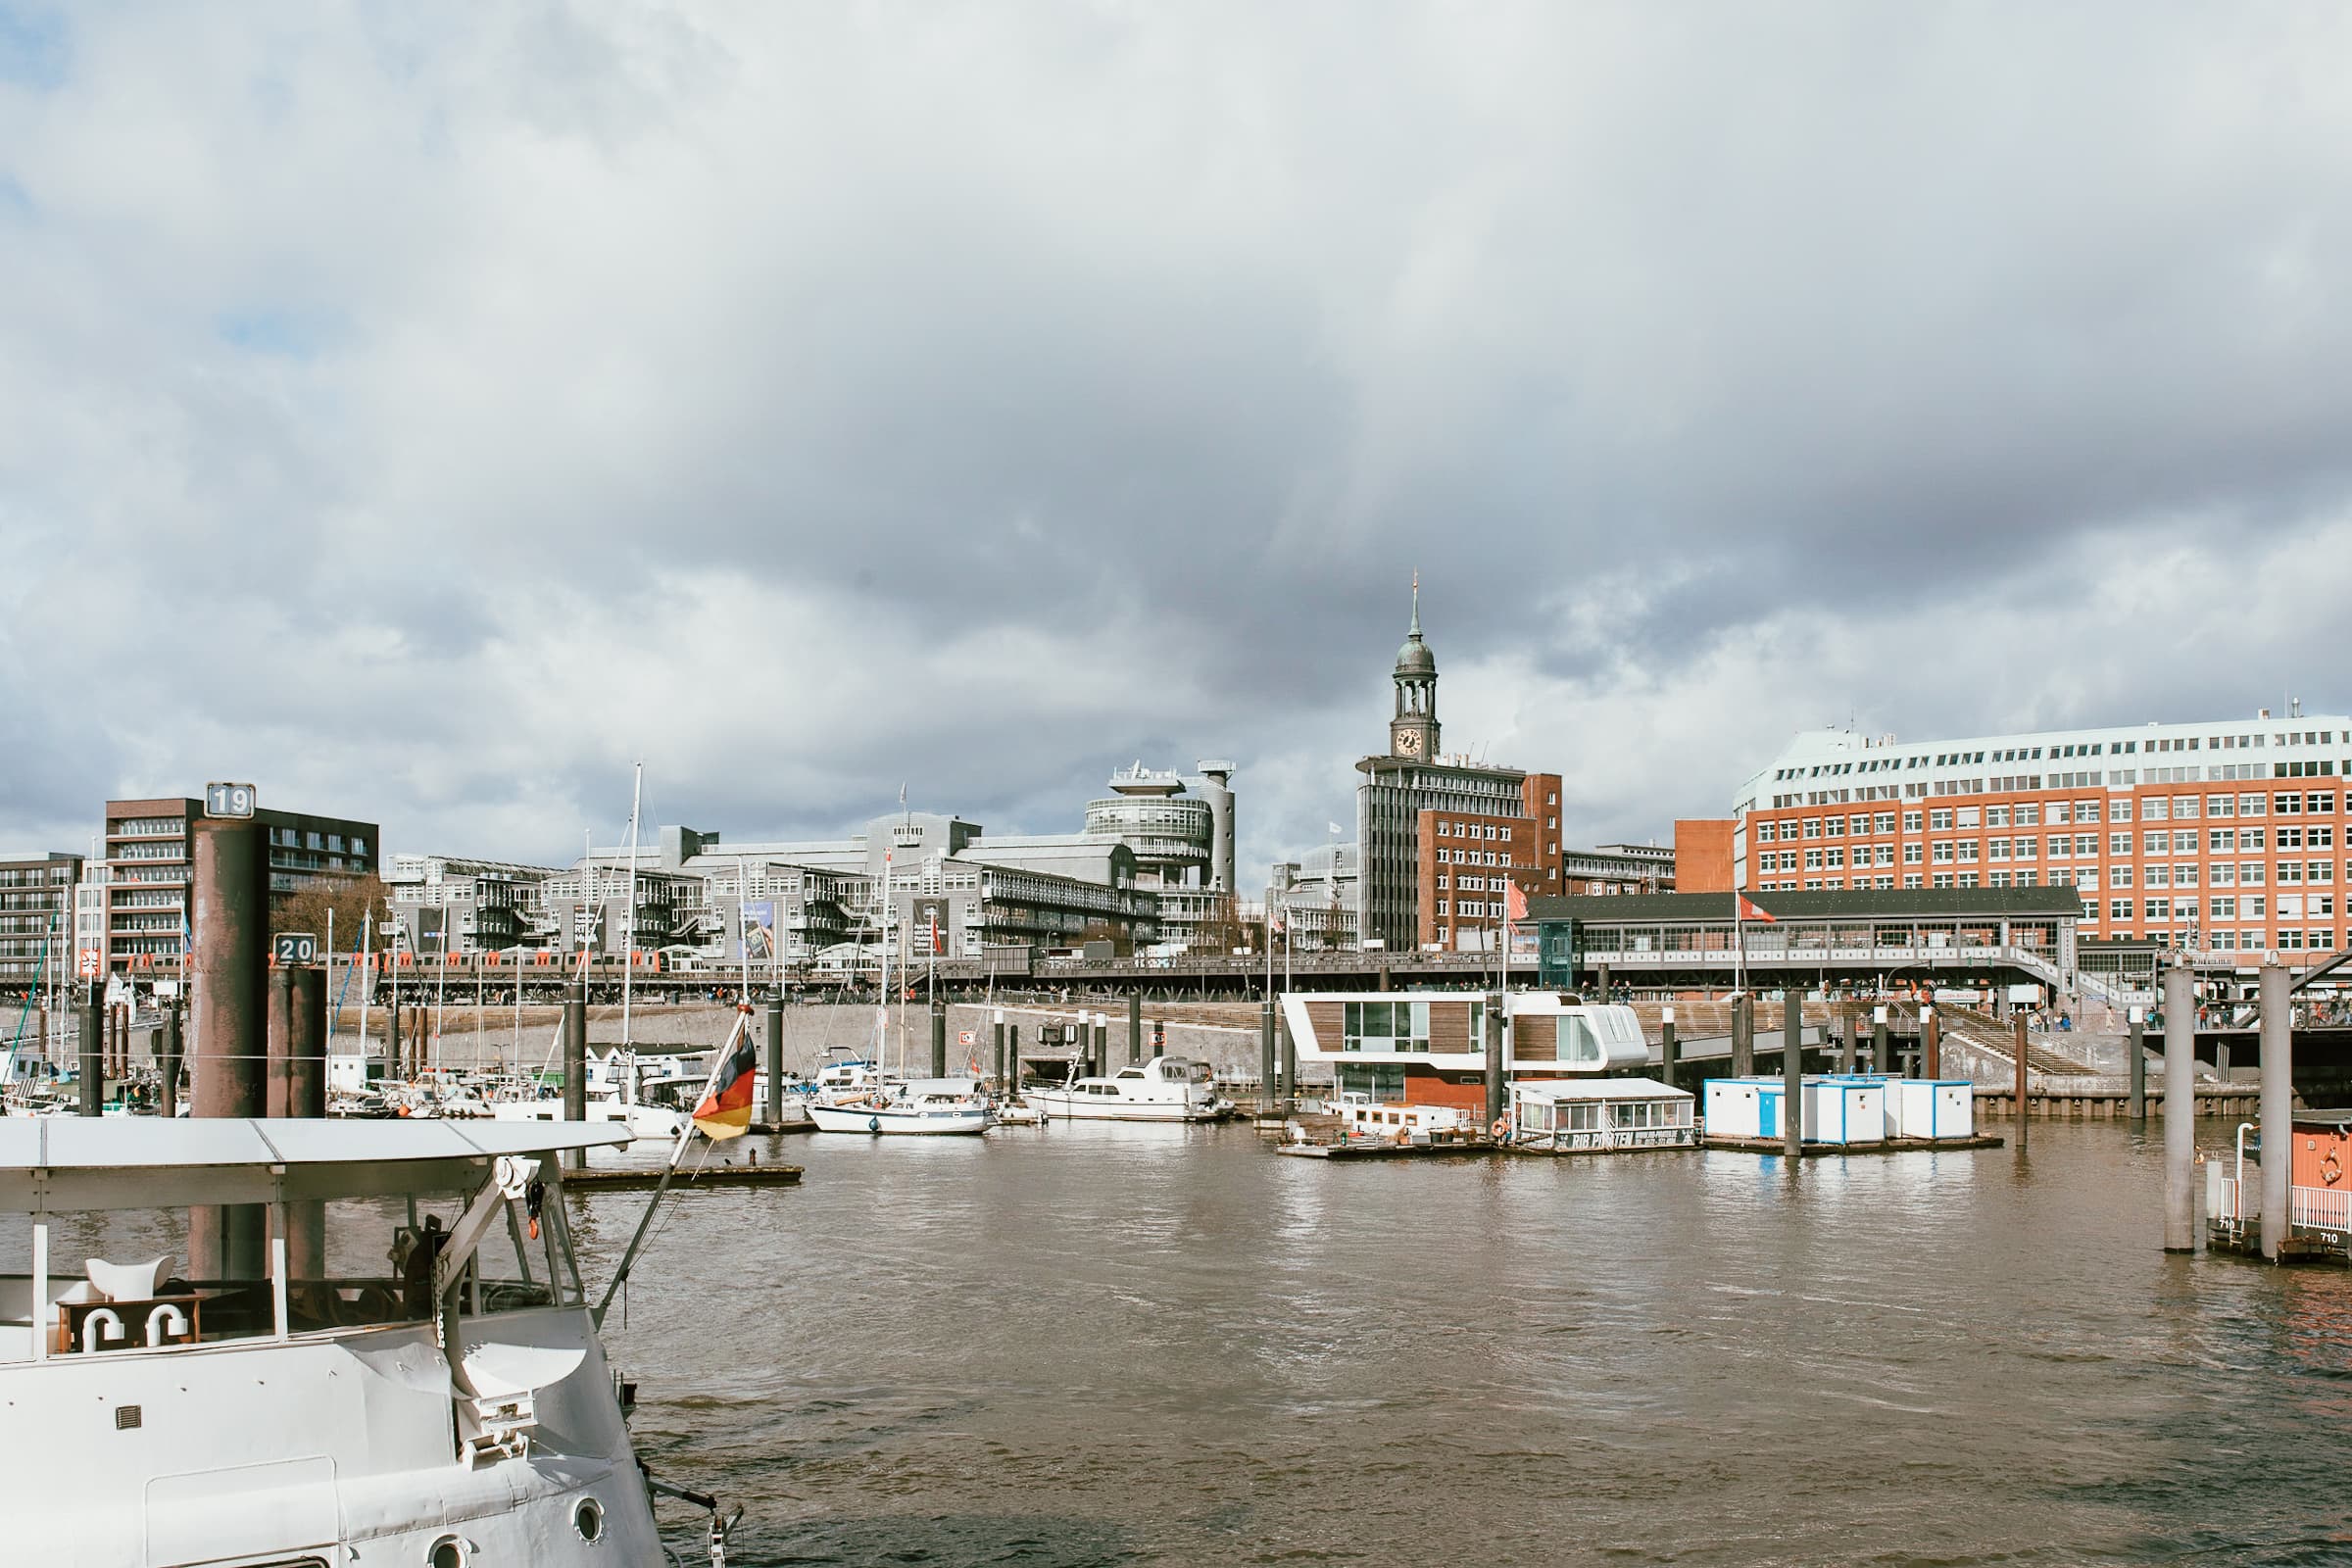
1852,1109
1846,1111
1600,1115
1936,1109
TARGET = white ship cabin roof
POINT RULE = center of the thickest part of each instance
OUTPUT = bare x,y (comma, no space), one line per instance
1561,1091
952,1087
50,1163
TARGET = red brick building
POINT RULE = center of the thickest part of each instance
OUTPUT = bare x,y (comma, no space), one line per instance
2221,836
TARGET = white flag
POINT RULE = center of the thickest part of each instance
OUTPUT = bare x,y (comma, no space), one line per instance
1336,829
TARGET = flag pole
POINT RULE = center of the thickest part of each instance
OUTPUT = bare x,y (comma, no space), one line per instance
628,1259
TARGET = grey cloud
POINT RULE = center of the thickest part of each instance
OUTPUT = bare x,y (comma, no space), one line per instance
420,352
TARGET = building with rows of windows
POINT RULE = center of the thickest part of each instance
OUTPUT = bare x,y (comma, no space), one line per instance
131,907
2221,837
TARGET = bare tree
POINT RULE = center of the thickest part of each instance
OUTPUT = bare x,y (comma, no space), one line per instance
306,909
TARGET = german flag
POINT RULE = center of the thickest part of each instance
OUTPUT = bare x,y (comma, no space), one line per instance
726,1107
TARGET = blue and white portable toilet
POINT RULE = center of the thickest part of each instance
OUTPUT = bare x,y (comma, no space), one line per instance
1846,1111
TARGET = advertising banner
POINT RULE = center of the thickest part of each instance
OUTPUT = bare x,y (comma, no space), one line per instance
759,931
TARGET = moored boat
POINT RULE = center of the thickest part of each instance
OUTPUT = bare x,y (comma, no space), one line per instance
264,1401
921,1106
1164,1089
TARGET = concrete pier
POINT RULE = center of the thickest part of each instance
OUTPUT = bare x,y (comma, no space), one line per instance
2278,1107
2179,1108
167,1051
2140,1067
1793,1073
93,1051
2017,1046
1495,1105
306,1096
1287,1054
772,1040
1265,1055
575,1061
278,1069
228,894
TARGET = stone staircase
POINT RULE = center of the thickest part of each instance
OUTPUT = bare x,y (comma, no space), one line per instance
1988,1035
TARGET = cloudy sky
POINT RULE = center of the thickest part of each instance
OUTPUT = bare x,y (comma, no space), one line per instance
423,410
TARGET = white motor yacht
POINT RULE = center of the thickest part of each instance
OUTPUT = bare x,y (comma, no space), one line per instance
1164,1089
450,1406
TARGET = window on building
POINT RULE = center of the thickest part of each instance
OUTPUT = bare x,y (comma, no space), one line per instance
1910,821
2119,909
2118,876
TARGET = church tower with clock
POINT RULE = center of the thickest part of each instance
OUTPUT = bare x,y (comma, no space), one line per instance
1419,815
1413,731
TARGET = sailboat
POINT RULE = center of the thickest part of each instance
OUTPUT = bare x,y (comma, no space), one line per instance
924,1106
618,1082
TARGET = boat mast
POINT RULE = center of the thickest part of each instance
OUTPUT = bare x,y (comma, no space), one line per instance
743,920
882,990
628,927
366,982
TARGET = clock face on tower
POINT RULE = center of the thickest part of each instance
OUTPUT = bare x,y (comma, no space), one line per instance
1408,743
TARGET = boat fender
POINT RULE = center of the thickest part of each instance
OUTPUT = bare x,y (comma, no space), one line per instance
1502,1127
1404,1137
873,1124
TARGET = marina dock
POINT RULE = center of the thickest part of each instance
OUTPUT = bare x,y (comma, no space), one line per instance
1884,1145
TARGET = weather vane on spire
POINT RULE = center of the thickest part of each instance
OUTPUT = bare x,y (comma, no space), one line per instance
1416,601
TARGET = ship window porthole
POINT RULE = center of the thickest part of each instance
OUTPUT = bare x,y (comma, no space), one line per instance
589,1519
448,1553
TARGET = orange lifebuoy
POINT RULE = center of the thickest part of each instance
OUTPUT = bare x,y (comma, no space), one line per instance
2332,1169
1502,1127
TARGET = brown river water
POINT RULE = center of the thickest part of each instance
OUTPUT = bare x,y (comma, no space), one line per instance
1096,1344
